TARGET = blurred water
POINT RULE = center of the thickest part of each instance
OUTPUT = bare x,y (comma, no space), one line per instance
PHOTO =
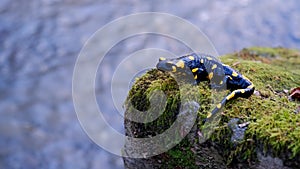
40,41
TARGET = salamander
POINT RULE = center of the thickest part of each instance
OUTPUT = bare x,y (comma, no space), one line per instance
203,67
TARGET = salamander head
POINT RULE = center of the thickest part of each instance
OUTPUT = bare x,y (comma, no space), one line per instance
173,65
165,65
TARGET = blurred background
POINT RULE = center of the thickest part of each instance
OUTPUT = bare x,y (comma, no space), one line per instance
41,39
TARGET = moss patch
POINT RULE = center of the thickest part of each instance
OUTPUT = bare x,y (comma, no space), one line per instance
274,127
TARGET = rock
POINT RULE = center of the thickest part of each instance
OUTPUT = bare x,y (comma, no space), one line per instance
238,130
269,138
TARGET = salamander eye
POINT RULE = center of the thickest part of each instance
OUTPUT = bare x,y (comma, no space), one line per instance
169,64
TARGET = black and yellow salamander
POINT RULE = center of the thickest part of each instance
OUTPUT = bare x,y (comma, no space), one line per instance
203,67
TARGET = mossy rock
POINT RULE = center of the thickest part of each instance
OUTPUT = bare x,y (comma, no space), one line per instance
272,138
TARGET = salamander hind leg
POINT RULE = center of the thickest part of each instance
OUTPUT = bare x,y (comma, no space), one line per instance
234,94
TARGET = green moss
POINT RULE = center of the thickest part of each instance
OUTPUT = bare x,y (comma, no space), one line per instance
181,156
273,124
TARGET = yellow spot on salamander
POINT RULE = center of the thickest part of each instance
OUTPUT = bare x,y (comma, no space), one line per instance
201,61
194,70
208,58
230,96
180,64
214,66
162,58
221,82
174,68
219,106
195,77
191,58
209,115
242,90
210,75
234,74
